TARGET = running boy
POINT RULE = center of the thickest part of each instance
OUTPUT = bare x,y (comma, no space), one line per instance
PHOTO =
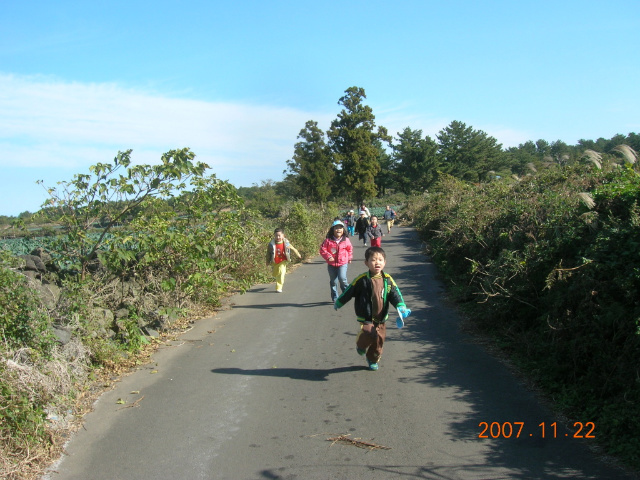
278,254
373,291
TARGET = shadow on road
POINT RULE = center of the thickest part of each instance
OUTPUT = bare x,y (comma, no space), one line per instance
314,375
443,357
281,305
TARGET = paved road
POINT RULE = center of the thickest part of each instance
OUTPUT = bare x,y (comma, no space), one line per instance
255,392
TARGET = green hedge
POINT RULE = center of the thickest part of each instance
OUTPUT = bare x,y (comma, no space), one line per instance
551,266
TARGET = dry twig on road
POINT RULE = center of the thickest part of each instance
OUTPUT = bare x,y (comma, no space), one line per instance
357,442
134,404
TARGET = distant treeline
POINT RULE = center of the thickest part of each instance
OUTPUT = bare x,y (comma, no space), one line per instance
358,160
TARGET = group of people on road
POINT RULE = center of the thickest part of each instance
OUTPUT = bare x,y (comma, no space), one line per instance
367,226
372,291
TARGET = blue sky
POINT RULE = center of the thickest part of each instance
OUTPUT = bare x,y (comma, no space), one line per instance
236,81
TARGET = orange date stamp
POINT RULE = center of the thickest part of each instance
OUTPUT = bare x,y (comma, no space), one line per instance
542,430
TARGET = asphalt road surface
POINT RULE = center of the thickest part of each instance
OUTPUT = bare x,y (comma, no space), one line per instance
268,387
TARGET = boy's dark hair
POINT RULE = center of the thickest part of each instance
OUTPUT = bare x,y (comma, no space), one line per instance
281,230
371,250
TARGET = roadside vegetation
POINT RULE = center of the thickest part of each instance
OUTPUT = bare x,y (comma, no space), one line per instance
538,244
549,267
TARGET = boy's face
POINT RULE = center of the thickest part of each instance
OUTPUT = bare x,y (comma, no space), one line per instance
374,220
278,237
375,263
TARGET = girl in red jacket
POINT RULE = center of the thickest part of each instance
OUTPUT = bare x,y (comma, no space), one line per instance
338,253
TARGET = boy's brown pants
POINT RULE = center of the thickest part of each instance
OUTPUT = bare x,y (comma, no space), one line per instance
371,338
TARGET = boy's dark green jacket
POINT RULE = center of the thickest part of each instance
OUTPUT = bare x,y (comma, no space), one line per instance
361,289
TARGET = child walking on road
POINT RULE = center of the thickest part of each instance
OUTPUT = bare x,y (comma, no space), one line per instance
361,227
374,232
350,222
337,251
278,255
372,292
389,216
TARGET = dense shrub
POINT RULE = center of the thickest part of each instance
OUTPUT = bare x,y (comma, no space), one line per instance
306,225
551,266
23,321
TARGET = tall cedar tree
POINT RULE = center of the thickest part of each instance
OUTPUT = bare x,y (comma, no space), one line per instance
312,168
386,178
414,161
353,141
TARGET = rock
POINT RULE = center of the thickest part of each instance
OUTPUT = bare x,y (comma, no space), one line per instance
150,332
101,317
45,257
62,334
48,293
33,263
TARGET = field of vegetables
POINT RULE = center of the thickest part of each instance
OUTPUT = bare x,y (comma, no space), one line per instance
24,246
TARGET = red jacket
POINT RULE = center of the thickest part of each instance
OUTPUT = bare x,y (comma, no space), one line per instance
341,252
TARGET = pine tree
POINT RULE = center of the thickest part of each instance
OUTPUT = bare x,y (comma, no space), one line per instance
353,141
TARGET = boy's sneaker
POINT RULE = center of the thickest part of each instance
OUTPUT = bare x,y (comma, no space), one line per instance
361,351
278,290
373,366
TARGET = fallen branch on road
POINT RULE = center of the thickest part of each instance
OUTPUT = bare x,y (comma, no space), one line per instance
356,442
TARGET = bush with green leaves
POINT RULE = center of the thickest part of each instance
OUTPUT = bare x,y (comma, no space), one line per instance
23,320
551,266
194,253
24,328
305,225
23,432
112,194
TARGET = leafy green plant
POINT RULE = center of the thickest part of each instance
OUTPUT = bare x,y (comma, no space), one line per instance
23,320
305,225
108,197
130,334
194,253
555,279
20,414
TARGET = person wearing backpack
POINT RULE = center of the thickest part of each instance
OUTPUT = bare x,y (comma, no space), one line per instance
350,222
278,255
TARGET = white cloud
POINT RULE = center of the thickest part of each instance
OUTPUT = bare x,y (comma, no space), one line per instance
51,130
44,122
